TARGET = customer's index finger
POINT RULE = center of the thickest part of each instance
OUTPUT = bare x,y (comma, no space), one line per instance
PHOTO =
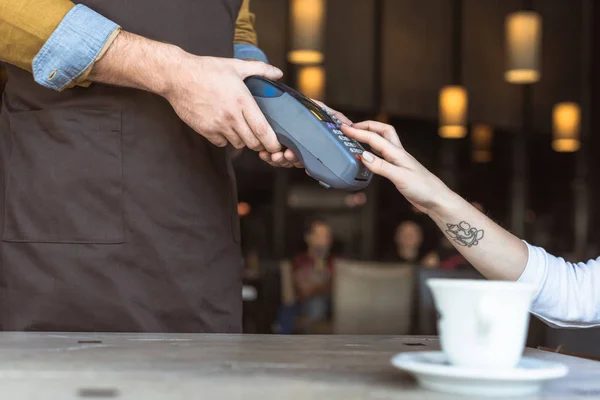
381,145
385,130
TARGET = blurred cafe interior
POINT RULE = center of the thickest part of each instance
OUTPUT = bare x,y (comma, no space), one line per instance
498,98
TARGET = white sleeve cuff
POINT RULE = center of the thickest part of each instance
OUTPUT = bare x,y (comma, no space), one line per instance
535,270
566,294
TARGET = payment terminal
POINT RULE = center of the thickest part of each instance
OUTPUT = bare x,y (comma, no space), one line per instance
313,135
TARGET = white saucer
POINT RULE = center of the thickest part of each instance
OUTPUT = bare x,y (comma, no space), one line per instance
432,371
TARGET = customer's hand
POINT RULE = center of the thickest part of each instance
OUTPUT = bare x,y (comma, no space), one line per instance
288,159
420,187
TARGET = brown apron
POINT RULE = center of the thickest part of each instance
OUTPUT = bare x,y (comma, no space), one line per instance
116,215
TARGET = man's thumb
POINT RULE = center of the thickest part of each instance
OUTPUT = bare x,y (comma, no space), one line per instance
249,68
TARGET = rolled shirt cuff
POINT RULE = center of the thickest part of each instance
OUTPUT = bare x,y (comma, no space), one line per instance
82,80
72,48
243,51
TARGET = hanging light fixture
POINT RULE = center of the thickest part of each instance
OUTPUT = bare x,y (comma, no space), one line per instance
481,138
566,123
308,20
523,39
311,82
453,112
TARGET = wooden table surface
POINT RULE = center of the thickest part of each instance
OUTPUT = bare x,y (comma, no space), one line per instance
156,366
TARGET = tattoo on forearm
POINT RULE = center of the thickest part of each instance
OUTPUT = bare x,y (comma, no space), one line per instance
464,234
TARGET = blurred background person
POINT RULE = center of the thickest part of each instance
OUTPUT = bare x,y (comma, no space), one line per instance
408,244
445,256
312,275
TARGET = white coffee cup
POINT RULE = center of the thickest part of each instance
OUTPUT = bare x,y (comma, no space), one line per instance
482,323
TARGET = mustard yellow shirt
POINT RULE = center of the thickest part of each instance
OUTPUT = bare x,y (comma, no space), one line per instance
26,25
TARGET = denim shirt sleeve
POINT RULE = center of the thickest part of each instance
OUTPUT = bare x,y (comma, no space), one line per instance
243,51
72,47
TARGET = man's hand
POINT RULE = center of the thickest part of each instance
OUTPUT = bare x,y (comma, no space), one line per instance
207,93
288,159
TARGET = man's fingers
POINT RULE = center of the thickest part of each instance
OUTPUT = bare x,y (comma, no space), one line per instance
390,152
260,127
379,166
275,160
249,68
280,160
286,159
291,157
385,130
246,134
232,137
217,139
266,157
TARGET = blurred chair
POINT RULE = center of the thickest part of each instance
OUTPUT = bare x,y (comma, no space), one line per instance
288,297
372,298
426,313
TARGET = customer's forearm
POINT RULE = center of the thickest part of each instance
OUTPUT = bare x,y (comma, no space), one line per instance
492,250
136,62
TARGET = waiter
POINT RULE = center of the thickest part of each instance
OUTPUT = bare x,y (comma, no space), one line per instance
116,187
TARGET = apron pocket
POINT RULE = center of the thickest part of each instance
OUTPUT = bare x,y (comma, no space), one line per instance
64,183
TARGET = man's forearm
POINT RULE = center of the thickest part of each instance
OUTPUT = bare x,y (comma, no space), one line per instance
495,252
136,62
207,93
